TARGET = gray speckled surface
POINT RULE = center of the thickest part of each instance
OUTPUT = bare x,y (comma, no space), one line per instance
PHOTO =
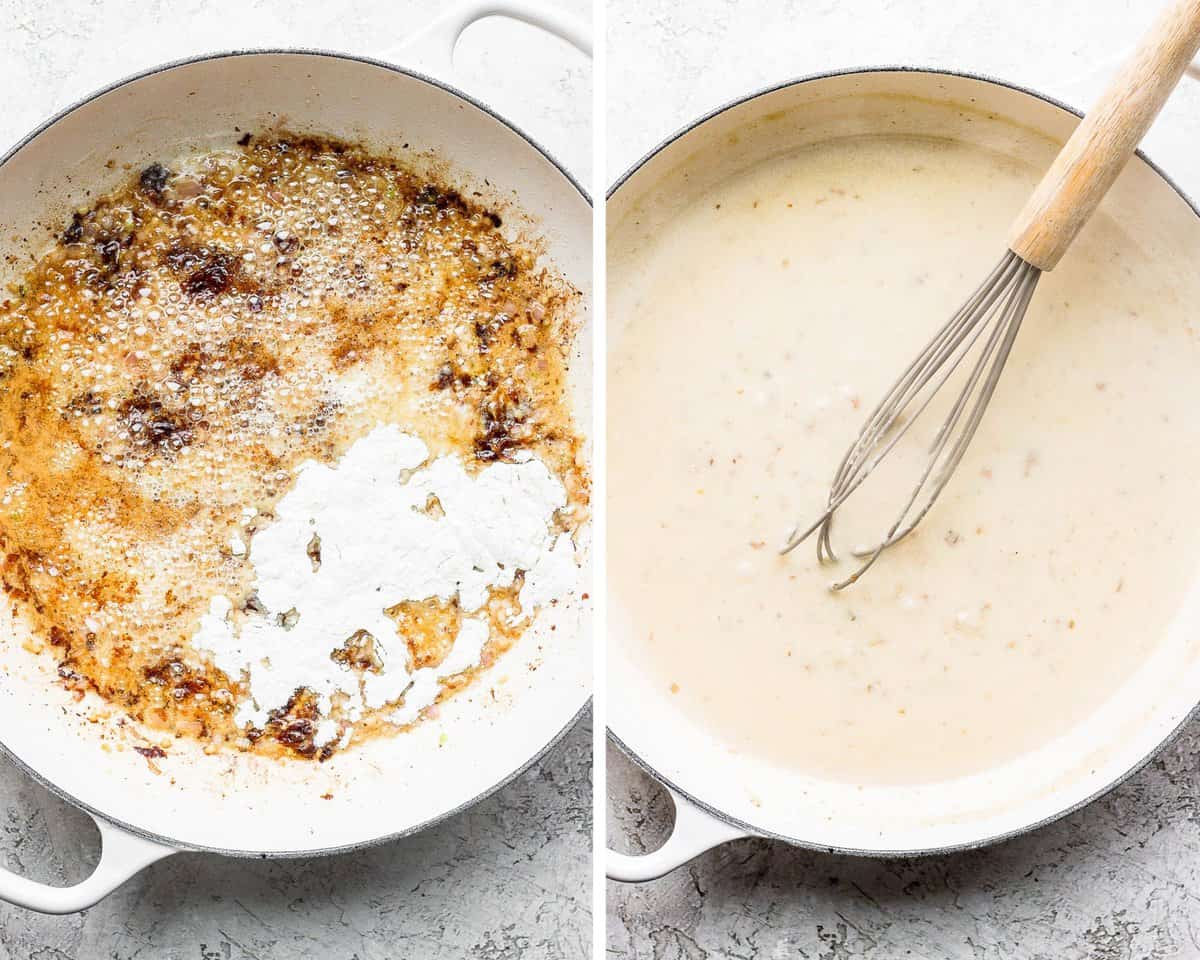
510,877
1119,880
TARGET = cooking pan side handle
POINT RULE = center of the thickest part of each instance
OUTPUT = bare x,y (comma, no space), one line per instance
695,831
122,854
431,50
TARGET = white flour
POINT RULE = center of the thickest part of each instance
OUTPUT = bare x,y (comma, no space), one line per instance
381,545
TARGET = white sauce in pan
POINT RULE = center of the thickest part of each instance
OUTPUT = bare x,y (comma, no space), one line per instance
749,340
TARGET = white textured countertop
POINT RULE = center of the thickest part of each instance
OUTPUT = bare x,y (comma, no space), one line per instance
510,877
1119,880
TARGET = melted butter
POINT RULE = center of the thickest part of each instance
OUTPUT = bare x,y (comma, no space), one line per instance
759,327
197,335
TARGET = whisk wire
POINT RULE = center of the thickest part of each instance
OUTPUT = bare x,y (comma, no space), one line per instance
996,307
958,335
913,374
1001,340
883,419
939,444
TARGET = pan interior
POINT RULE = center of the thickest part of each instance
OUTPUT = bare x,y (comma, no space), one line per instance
238,803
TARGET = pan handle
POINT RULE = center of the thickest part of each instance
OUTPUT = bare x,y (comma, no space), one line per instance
431,50
695,831
122,854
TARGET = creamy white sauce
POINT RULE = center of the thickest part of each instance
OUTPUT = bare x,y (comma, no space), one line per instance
380,545
754,328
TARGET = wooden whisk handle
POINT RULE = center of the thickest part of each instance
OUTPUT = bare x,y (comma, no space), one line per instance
1105,139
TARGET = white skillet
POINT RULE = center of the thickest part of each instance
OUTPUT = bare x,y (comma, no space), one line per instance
245,806
720,796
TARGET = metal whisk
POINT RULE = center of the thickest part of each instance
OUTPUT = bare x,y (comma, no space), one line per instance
996,308
987,323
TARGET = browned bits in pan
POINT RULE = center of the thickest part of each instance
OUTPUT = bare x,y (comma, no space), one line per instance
191,339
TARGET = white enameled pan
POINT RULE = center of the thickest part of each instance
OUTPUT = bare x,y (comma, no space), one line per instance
719,795
247,806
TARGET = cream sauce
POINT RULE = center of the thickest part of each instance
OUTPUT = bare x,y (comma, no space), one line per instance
750,337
